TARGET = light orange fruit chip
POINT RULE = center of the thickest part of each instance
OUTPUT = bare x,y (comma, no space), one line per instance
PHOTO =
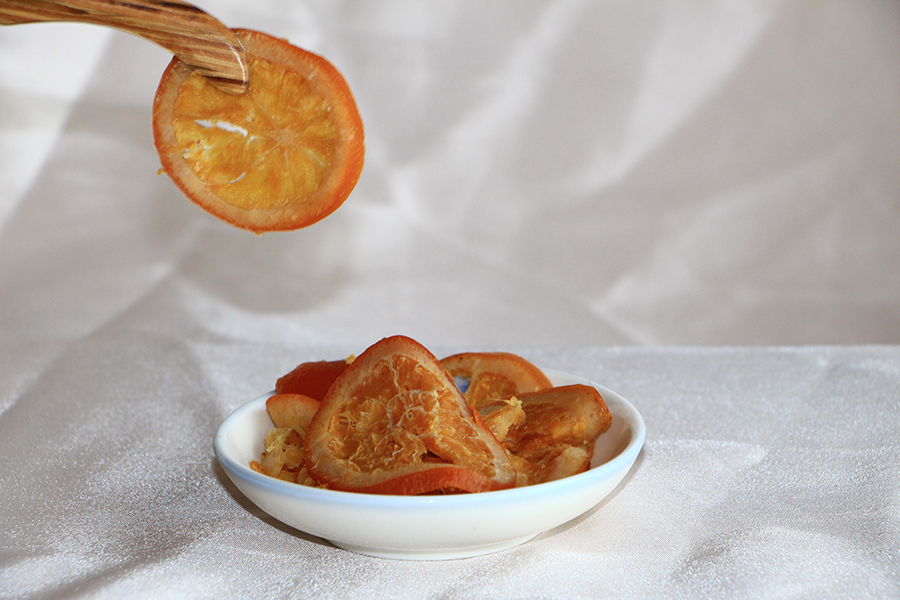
556,437
284,454
492,376
292,410
281,156
573,414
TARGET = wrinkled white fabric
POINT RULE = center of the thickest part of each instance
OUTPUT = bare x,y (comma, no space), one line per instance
766,473
695,204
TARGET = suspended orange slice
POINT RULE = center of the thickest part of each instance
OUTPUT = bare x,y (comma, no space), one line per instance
281,156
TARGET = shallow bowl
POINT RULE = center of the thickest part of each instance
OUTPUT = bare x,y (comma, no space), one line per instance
430,527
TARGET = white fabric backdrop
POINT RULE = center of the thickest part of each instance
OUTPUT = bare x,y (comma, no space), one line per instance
588,183
537,172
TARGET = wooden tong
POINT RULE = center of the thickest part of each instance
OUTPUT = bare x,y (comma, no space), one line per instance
195,37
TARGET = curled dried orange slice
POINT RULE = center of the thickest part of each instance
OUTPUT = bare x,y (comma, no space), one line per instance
395,423
312,378
292,410
283,457
281,156
490,376
556,436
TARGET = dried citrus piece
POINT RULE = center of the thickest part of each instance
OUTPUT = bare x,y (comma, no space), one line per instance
540,465
292,410
573,414
281,156
395,423
557,435
283,457
312,378
494,376
501,419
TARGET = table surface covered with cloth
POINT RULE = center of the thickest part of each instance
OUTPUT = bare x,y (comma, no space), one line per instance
695,205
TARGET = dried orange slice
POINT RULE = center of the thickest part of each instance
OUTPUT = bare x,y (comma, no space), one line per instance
283,457
556,437
491,376
312,378
281,156
395,423
292,410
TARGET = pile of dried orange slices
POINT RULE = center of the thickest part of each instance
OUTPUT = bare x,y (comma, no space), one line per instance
397,420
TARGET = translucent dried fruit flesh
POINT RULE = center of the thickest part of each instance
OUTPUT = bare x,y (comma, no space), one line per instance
292,410
395,423
283,457
557,435
493,376
549,463
504,418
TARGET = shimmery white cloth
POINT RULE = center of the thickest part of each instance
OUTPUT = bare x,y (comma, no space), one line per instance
694,204
767,472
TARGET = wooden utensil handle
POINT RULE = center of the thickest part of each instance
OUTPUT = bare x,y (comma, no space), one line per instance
195,37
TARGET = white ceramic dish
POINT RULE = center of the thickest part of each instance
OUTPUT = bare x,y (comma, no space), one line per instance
430,527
